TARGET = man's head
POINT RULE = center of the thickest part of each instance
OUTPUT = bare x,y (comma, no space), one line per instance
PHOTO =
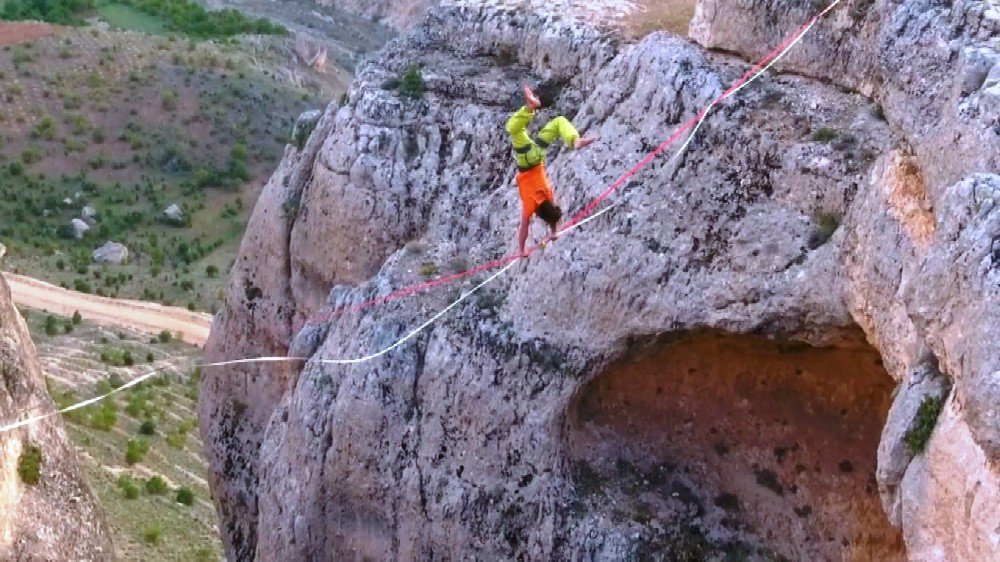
550,213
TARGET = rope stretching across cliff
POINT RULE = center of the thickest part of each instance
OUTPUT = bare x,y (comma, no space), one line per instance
586,215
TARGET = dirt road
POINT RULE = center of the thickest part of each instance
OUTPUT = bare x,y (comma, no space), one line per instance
137,315
14,33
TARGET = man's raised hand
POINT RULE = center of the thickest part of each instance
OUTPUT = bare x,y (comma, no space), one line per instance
530,99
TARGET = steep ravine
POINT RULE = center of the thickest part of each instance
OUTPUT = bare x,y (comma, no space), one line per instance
49,513
726,363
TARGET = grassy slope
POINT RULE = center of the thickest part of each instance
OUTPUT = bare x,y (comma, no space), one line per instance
121,16
118,143
72,363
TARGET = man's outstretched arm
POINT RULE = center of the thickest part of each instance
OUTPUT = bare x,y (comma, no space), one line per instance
522,235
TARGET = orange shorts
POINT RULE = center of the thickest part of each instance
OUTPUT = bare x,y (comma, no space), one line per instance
534,188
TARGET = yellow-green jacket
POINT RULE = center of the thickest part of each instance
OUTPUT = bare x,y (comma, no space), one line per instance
529,153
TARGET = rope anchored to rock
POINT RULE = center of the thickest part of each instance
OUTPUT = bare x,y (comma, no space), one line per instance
586,215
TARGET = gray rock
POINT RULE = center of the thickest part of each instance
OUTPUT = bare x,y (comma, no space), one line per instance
174,214
111,252
464,440
894,455
79,227
976,64
304,126
918,58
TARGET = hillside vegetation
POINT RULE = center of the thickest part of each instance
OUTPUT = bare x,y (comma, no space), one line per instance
182,16
140,448
112,128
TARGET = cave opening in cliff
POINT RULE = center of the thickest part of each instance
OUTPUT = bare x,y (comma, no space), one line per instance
742,442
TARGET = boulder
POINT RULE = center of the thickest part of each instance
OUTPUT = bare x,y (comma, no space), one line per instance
79,227
304,126
174,215
894,455
111,252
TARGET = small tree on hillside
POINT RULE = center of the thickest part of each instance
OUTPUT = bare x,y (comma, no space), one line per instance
51,325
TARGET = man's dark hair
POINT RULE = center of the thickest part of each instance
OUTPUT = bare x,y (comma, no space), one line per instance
549,212
548,92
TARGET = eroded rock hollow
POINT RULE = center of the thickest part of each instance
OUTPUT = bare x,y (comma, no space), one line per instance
772,444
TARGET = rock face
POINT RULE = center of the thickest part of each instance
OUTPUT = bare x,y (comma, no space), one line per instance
57,517
706,369
111,252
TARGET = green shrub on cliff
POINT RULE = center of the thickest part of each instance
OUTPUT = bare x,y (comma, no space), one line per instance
923,425
411,85
29,465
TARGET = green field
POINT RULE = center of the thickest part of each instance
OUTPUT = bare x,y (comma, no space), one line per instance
88,361
122,16
186,17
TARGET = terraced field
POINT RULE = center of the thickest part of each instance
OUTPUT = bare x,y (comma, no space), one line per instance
88,361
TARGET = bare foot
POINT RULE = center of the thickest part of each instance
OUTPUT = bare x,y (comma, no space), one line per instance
583,142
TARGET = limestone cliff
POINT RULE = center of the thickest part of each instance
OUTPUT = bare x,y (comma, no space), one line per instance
731,361
49,513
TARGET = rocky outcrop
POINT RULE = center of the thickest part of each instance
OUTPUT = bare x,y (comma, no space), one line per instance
111,252
48,513
174,215
79,228
809,252
932,66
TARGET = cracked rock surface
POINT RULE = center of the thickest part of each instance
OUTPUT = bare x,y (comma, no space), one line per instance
847,206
